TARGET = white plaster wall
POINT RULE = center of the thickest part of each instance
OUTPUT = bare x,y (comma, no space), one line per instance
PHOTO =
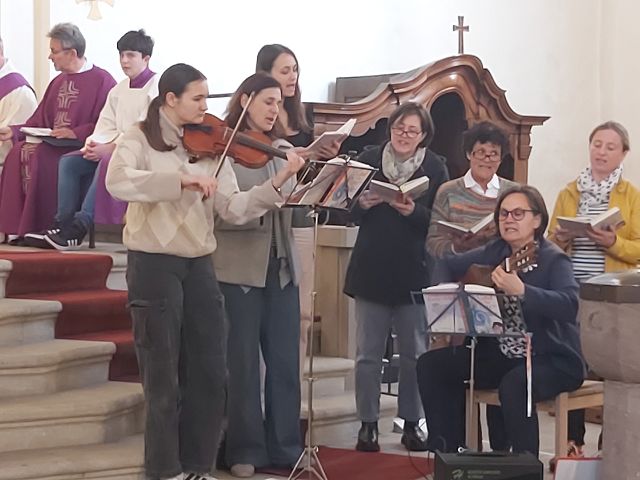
16,28
546,54
620,74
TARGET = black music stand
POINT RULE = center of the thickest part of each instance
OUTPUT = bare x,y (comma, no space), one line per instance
456,311
323,186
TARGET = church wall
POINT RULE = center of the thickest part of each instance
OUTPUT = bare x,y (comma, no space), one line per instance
545,54
620,74
16,28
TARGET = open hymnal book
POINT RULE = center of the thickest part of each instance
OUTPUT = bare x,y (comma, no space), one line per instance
43,134
580,225
457,308
390,192
327,138
36,131
337,184
454,228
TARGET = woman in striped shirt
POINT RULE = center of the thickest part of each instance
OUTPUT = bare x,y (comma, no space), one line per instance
598,188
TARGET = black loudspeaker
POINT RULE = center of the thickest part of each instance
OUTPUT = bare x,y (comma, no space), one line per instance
487,466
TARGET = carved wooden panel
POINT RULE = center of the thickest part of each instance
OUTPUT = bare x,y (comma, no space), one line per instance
459,92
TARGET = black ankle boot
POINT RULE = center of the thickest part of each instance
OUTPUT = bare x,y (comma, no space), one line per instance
69,237
413,438
368,437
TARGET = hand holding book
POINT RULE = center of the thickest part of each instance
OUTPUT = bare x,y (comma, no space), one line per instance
404,205
601,229
368,199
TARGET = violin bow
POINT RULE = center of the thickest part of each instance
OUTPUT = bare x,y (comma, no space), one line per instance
233,134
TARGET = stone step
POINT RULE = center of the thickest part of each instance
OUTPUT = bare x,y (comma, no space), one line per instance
336,416
53,366
90,415
121,460
5,269
331,376
26,321
118,253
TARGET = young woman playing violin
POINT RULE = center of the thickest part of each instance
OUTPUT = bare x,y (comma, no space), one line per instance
549,306
175,301
257,266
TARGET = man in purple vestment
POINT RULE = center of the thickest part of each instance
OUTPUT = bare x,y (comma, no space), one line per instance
70,108
127,103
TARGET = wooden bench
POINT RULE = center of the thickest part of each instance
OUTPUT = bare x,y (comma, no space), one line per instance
590,394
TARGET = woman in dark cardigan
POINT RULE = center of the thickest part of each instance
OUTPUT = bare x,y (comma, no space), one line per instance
388,262
548,297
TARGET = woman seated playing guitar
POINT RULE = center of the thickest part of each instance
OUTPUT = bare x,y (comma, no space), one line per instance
548,296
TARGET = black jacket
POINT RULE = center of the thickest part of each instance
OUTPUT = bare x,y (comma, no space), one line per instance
389,259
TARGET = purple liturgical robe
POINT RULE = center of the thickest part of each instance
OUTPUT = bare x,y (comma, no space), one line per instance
28,187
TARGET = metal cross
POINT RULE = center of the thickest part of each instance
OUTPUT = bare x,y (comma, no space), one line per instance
460,28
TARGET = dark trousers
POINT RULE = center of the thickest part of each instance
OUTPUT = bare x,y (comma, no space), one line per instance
441,380
180,339
268,320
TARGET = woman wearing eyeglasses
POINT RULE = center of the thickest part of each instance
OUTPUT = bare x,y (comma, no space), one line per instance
548,297
468,199
598,188
388,263
465,201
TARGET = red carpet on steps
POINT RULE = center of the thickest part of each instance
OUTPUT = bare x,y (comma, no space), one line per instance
344,464
90,311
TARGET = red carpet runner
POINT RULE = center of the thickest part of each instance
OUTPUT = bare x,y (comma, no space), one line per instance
343,464
90,311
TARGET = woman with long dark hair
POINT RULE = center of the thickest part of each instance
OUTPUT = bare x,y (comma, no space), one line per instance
176,304
257,265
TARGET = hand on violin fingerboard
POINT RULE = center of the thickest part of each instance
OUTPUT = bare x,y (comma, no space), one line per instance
294,164
199,183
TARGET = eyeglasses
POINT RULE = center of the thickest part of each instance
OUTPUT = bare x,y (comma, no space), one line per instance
56,52
407,133
481,154
517,213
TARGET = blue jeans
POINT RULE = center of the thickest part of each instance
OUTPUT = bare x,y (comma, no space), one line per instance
373,324
74,173
263,319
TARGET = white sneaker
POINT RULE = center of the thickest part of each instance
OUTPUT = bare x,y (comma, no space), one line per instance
243,470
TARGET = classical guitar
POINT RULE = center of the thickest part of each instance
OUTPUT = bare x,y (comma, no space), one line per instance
522,260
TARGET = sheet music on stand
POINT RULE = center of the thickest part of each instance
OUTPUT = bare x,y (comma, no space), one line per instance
473,311
469,309
334,184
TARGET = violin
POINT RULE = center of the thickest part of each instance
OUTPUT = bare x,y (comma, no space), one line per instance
210,138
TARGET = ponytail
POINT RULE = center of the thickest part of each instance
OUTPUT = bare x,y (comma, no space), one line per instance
150,126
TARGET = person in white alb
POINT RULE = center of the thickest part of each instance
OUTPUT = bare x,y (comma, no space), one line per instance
17,99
